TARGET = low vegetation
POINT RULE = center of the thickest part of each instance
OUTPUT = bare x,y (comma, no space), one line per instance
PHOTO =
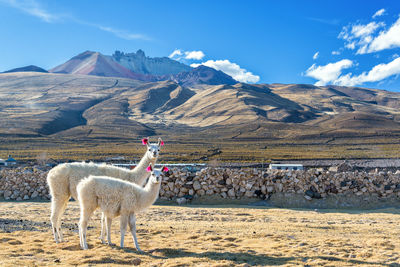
187,149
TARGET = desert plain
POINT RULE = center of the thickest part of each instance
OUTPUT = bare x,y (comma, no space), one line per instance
199,235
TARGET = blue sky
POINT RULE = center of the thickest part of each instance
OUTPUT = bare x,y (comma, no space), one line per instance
319,42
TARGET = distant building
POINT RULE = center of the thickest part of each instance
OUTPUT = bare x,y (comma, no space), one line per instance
10,161
286,167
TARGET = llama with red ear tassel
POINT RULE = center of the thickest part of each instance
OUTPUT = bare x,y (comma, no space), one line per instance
64,178
115,198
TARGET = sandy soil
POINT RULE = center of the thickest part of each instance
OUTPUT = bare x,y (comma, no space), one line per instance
207,236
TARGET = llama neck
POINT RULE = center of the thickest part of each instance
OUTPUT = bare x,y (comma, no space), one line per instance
140,174
150,194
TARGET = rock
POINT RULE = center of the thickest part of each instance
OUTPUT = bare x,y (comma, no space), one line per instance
171,185
258,193
309,193
26,197
344,167
387,187
307,197
221,182
196,185
181,201
231,192
34,194
249,194
333,169
201,192
136,261
7,194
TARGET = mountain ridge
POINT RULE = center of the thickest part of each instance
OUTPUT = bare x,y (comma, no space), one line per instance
97,64
139,63
111,107
30,68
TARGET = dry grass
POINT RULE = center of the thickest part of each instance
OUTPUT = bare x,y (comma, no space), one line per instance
208,236
183,150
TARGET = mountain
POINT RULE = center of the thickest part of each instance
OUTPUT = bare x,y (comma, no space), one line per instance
139,63
82,106
94,63
200,75
27,69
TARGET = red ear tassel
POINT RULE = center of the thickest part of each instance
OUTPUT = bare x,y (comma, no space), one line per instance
145,141
149,169
164,169
162,143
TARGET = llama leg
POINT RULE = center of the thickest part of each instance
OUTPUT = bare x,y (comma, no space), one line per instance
102,228
83,222
123,224
108,230
60,235
58,205
132,226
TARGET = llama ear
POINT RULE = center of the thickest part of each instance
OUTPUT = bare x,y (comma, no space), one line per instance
149,169
164,169
160,142
145,141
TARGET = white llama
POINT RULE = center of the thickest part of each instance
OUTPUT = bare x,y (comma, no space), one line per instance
115,198
64,178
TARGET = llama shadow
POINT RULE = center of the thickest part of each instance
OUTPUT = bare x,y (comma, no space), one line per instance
12,225
259,259
335,259
236,257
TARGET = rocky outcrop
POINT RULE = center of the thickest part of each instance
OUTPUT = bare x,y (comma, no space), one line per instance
200,75
139,63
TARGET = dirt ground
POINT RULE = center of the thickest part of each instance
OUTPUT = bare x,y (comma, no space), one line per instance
207,236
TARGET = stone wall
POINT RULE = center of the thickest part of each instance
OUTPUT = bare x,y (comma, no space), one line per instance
23,184
232,184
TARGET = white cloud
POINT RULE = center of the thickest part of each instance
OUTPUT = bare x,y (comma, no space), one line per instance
231,69
198,55
367,39
32,8
359,35
386,39
175,53
123,34
377,73
315,56
179,54
379,13
335,53
365,30
328,73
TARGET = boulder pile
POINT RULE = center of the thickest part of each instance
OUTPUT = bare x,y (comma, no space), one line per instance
229,183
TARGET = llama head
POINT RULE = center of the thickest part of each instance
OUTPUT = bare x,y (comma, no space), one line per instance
156,174
153,150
